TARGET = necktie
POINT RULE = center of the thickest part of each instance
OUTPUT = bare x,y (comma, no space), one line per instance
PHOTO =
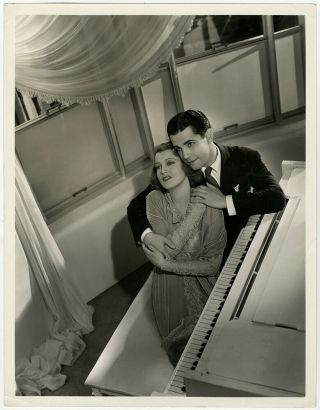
210,178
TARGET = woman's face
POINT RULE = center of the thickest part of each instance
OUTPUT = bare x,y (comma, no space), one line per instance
169,169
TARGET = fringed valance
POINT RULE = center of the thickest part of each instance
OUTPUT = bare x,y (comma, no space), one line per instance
91,58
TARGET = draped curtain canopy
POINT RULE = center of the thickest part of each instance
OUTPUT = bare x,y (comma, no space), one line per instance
90,58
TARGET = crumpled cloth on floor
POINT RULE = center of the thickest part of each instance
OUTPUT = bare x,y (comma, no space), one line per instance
43,368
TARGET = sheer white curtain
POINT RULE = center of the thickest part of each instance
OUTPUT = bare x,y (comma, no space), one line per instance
87,58
70,317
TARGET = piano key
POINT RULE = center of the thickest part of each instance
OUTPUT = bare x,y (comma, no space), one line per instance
221,287
175,389
178,385
189,357
212,310
203,327
188,362
229,273
184,367
235,257
195,348
208,313
196,341
220,292
179,379
196,345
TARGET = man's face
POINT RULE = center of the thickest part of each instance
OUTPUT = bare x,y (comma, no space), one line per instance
193,149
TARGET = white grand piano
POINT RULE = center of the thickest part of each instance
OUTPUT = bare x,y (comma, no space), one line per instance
250,337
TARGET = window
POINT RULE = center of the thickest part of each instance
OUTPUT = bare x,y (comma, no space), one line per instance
125,118
28,108
212,32
284,22
232,87
159,101
78,150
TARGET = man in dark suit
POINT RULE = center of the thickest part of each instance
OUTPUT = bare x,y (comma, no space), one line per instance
235,178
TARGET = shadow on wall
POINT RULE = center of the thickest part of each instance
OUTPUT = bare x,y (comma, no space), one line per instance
124,250
124,253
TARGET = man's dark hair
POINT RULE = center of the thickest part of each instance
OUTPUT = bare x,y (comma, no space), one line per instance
195,119
195,177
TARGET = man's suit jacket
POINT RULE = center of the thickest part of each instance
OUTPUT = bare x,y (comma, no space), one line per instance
245,177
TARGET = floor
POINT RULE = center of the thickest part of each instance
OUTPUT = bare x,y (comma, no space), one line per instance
275,143
110,306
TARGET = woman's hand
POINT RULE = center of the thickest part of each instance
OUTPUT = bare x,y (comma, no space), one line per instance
154,256
210,196
158,243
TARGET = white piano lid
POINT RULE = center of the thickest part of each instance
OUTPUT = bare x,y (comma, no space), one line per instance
133,362
296,183
283,299
265,356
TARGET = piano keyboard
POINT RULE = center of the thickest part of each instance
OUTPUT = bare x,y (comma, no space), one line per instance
201,333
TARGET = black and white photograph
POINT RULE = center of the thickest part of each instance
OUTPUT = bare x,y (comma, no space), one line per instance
160,245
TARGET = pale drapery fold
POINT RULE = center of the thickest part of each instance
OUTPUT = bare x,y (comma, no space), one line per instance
90,58
70,317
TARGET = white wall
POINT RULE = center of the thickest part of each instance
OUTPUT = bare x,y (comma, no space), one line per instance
96,240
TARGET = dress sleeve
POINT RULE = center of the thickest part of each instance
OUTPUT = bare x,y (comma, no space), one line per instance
157,213
158,218
206,263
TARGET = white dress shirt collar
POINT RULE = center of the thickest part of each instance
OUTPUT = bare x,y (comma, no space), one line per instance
216,167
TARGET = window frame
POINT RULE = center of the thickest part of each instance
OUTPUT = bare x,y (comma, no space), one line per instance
122,171
268,38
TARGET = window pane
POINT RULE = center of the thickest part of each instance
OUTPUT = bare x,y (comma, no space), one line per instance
65,153
283,22
290,72
160,104
231,88
32,107
213,31
126,128
21,114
